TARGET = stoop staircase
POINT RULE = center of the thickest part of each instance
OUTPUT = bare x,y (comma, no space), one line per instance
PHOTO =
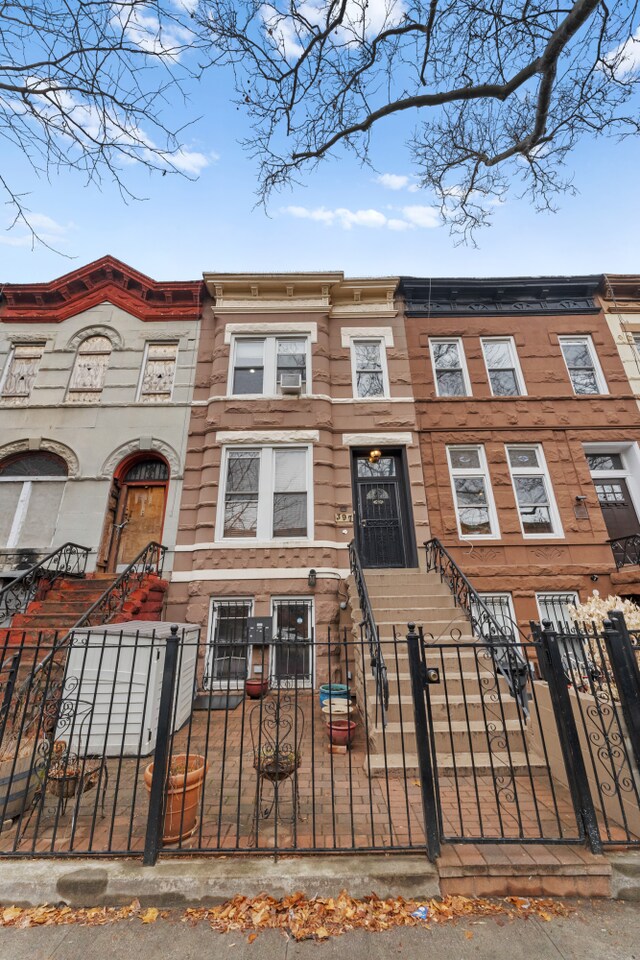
460,713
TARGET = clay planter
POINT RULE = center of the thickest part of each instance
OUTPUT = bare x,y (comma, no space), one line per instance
256,689
341,732
183,794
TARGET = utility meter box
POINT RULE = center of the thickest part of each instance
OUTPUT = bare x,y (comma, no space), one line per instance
110,699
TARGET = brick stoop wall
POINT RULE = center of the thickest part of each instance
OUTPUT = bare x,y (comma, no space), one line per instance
529,870
66,602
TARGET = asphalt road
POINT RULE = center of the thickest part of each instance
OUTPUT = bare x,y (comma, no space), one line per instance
599,930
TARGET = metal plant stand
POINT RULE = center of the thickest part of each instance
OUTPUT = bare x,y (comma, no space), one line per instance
277,727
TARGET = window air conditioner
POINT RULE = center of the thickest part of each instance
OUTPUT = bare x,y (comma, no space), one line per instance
291,382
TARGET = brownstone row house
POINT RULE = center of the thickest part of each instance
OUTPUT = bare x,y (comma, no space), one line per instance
529,431
299,377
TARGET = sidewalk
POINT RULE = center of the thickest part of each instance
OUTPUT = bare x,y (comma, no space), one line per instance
603,929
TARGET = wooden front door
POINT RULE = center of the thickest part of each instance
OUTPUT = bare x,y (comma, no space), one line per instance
143,516
617,507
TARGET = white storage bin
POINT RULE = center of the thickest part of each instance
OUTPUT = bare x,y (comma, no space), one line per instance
111,694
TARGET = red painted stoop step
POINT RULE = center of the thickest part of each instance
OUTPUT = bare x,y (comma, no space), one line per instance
68,599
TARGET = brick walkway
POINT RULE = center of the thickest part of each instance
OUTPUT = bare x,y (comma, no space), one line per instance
340,806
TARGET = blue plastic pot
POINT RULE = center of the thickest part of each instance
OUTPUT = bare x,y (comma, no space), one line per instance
333,690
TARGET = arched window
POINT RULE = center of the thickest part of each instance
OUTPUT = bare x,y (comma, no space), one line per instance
89,370
31,488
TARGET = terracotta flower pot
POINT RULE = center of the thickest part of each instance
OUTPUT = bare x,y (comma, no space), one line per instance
183,794
256,689
341,732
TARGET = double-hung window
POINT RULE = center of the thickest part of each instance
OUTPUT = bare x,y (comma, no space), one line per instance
260,365
532,487
503,369
20,372
369,370
449,368
266,493
583,366
473,500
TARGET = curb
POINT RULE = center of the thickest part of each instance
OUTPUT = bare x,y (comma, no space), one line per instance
625,875
212,880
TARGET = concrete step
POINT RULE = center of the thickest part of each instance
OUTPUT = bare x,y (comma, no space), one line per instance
464,764
459,707
455,736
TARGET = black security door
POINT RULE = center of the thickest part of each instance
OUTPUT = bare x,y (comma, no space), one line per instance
382,531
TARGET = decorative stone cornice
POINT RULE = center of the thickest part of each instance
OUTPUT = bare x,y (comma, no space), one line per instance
621,292
105,280
524,296
271,292
302,293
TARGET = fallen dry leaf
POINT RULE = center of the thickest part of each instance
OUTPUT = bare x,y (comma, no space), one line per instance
150,915
468,934
252,937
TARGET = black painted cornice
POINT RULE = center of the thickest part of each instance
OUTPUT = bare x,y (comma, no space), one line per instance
524,296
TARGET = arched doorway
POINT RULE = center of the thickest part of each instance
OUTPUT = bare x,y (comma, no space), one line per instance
135,511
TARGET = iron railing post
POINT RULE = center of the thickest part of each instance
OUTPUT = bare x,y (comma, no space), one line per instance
425,765
626,673
155,816
569,739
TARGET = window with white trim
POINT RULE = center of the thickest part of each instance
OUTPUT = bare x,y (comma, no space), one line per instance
532,488
158,372
31,488
369,368
449,368
292,650
259,364
229,655
266,492
503,368
20,371
554,606
583,366
89,370
475,510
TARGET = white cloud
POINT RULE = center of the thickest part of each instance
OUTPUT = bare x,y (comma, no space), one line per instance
47,230
148,33
412,217
421,216
360,16
624,60
393,181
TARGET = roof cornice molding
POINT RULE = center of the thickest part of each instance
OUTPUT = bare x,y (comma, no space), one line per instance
104,280
622,292
517,296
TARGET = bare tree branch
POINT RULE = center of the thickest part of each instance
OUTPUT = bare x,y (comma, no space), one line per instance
502,89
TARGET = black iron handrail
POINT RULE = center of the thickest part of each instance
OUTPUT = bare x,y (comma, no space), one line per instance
112,601
484,625
625,550
370,631
69,560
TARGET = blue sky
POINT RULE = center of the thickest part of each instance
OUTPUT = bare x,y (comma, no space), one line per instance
343,218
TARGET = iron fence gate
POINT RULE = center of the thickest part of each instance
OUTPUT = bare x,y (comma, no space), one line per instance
534,742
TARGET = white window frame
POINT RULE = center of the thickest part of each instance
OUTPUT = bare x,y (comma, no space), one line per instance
213,620
270,387
515,359
601,383
543,471
482,471
503,595
554,593
310,681
153,343
382,342
264,527
5,373
463,365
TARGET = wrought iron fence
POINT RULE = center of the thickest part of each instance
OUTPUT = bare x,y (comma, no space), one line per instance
69,560
369,633
105,742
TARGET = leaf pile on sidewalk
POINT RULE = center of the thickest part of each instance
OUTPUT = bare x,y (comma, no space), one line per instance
318,918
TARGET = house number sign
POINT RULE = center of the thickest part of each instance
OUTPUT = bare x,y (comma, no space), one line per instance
344,517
